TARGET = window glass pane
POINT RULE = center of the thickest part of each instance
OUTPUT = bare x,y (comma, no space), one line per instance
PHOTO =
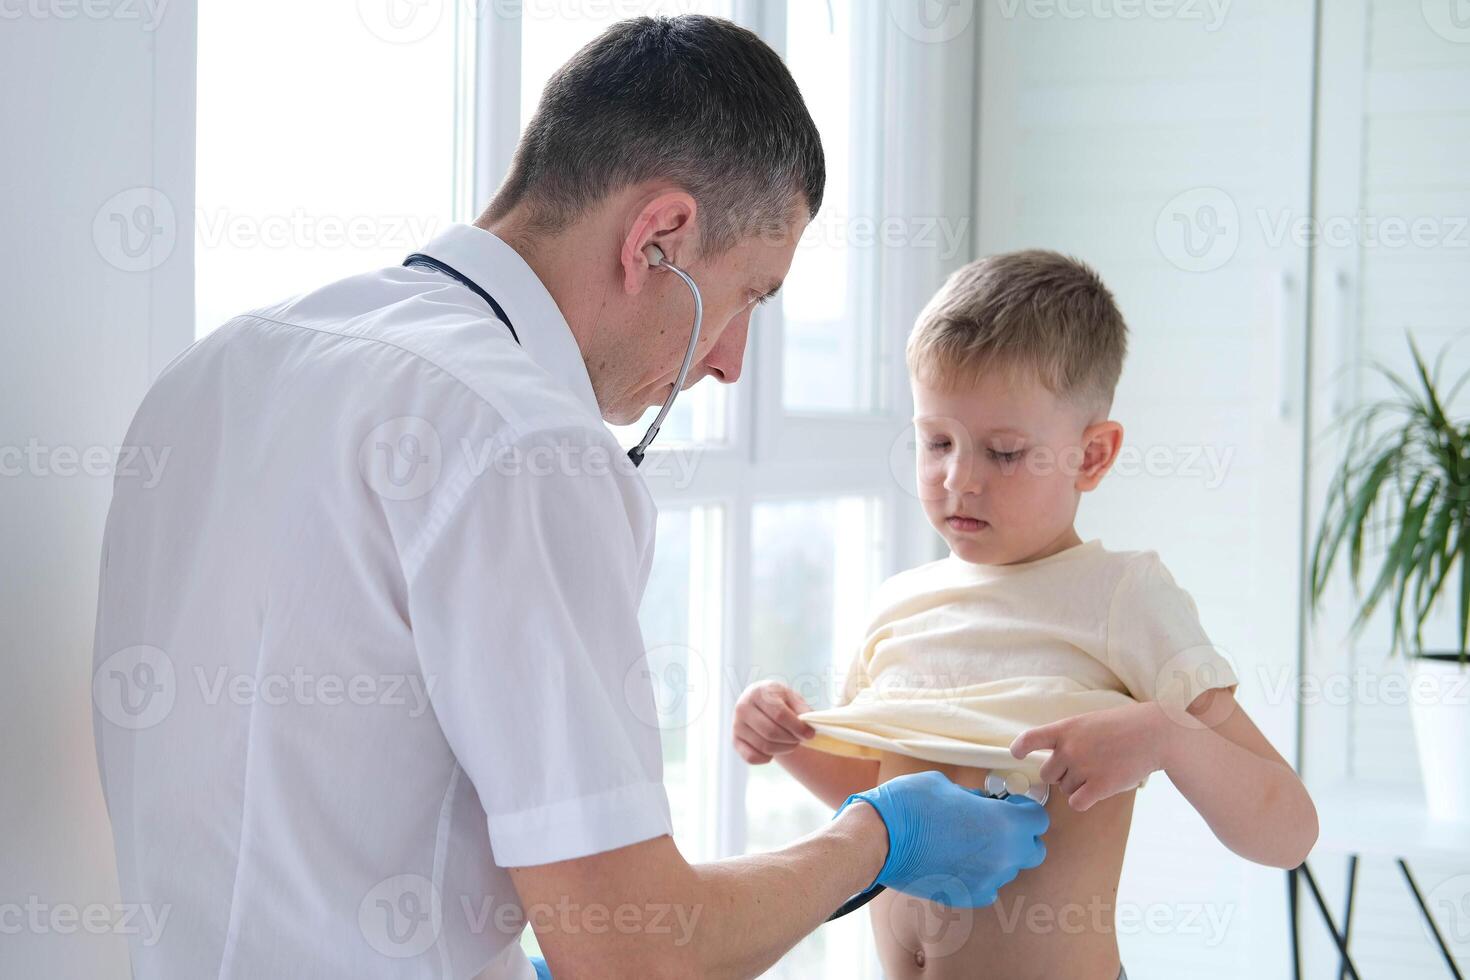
829,299
301,178
680,618
551,32
814,566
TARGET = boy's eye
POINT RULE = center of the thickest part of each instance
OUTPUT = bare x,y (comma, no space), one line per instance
1009,457
936,445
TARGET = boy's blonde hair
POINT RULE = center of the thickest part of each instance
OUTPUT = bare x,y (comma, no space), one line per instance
1035,311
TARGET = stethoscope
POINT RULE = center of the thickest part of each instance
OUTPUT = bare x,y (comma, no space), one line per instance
655,259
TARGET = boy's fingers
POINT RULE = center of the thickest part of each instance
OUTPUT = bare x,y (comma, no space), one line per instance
1084,798
750,753
797,705
793,726
1052,770
762,725
1044,737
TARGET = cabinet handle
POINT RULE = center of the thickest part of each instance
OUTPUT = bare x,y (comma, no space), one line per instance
1343,393
1284,287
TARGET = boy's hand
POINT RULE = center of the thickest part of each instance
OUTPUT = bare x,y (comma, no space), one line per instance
1098,754
766,724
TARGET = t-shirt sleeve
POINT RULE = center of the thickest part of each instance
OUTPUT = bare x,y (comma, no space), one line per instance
1155,642
524,611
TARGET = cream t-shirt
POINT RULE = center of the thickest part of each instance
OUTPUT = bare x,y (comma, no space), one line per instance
961,658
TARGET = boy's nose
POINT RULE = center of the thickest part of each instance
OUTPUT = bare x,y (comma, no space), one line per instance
963,475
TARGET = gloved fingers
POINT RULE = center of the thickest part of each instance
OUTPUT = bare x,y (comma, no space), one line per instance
1037,855
984,898
543,972
1031,817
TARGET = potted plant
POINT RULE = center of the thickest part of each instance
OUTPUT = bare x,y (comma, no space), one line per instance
1406,457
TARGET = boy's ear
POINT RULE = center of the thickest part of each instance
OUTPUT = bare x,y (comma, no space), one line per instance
1101,443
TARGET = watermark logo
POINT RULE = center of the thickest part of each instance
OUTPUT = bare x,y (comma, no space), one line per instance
935,928
932,21
1188,674
149,13
135,687
1449,903
1209,13
678,680
1450,19
1209,922
401,459
401,916
400,21
40,918
1199,229
136,230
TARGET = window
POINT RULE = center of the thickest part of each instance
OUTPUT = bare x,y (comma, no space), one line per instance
830,304
301,176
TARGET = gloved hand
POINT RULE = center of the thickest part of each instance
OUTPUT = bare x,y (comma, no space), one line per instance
953,845
543,972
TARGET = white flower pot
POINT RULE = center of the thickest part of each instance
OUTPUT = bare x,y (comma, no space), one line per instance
1440,707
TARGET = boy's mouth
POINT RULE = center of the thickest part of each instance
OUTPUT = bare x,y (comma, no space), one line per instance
961,523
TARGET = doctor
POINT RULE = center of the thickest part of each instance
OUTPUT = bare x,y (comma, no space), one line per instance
367,681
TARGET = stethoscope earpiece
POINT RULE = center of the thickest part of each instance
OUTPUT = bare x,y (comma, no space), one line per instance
656,259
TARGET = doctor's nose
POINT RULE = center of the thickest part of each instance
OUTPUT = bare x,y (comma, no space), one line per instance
726,358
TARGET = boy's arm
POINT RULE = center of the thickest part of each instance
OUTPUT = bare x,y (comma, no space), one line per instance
1248,794
1214,754
831,778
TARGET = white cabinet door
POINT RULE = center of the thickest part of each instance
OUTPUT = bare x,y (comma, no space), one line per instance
1168,145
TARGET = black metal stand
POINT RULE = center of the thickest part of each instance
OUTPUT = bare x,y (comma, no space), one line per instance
1346,967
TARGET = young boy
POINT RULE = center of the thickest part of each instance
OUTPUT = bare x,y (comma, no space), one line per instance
1055,667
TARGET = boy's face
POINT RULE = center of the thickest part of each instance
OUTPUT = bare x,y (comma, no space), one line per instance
1002,463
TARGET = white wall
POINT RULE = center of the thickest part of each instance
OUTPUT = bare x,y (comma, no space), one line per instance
98,101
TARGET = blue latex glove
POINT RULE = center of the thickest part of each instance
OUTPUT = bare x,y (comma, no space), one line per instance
953,845
543,972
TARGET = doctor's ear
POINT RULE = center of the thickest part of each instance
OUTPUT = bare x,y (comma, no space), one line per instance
663,228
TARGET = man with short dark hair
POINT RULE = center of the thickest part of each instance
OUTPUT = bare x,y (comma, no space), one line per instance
370,689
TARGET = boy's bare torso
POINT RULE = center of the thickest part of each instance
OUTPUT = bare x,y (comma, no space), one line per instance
1053,921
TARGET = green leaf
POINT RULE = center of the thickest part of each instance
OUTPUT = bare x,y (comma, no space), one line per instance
1435,544
1394,563
1361,505
1406,557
